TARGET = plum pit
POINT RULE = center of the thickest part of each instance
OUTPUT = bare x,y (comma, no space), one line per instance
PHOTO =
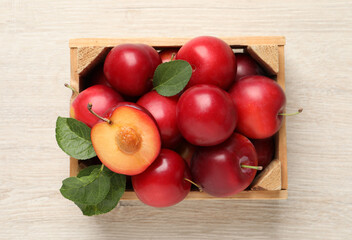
128,140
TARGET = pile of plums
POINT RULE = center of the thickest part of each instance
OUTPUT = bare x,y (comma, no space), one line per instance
214,133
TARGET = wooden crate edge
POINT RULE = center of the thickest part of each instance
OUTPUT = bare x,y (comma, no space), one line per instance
282,148
74,82
244,195
165,42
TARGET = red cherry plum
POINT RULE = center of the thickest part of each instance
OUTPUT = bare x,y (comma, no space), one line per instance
212,60
258,101
206,115
100,96
163,110
129,68
218,169
163,183
246,66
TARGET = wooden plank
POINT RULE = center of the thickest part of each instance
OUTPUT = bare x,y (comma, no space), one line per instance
282,147
244,195
74,82
175,42
74,169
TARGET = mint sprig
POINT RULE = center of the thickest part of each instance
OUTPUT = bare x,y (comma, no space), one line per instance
170,78
73,137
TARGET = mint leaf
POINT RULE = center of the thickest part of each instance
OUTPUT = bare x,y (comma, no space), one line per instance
89,190
171,77
73,137
117,188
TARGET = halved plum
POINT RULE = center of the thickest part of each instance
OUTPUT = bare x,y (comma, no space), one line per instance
128,141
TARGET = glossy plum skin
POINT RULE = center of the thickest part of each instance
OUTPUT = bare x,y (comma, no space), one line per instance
246,66
129,68
162,184
265,149
153,55
212,60
258,101
218,169
100,96
110,111
206,115
163,110
166,54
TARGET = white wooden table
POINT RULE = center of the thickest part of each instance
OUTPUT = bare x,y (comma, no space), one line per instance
34,65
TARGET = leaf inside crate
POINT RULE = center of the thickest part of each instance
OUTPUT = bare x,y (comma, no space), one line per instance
170,78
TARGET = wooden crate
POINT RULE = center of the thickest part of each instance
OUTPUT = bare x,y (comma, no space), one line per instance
268,51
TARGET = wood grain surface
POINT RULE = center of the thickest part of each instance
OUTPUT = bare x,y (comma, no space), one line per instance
34,65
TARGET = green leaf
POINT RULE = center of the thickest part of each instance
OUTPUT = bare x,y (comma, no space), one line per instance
117,188
88,170
73,137
171,77
89,190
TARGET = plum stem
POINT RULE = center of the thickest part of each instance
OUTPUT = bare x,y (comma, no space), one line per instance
90,106
195,184
252,167
291,114
173,55
70,87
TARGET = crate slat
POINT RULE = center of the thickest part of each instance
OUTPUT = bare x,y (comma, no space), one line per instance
282,147
244,195
174,42
74,82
